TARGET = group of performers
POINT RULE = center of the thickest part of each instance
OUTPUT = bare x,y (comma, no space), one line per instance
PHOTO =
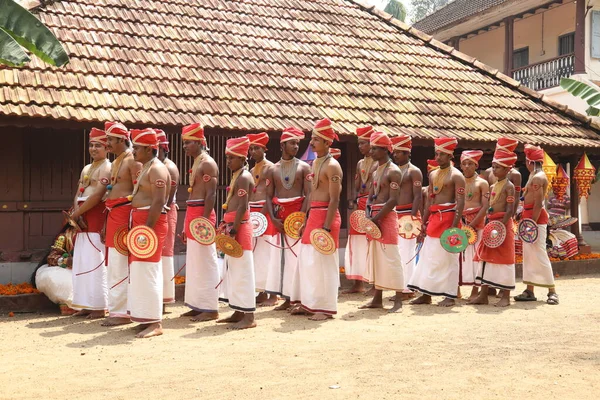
125,213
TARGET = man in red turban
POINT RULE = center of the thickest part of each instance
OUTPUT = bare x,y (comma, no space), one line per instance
89,275
124,170
537,268
355,257
437,273
498,267
239,280
150,194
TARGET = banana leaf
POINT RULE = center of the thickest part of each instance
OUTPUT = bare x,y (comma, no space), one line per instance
584,91
396,9
11,52
30,33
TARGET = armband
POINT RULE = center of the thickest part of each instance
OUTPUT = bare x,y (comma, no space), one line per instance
417,183
460,191
510,199
335,178
104,181
206,178
160,183
394,186
241,193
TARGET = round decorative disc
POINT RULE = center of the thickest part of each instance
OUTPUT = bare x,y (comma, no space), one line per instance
120,240
202,231
371,228
528,230
142,242
409,227
229,246
355,220
471,234
293,223
71,221
494,234
259,223
454,240
322,241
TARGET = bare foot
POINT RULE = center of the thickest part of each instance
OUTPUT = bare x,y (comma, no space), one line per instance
151,330
115,321
474,294
358,287
298,310
320,317
447,302
397,307
459,294
371,304
282,307
246,322
491,292
235,317
370,292
503,302
262,297
96,314
423,299
271,301
482,298
82,313
191,313
205,316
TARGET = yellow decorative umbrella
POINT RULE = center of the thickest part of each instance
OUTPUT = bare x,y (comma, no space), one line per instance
584,174
549,168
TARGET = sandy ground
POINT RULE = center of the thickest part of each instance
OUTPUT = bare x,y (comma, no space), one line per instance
530,350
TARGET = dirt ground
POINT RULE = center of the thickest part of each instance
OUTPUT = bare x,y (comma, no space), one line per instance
529,350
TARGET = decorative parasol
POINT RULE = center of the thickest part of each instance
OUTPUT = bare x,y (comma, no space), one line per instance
494,234
560,184
293,223
202,231
454,240
142,242
549,168
322,241
409,227
259,223
584,174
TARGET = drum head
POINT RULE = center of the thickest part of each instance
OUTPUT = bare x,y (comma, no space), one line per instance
471,234
322,241
494,234
259,223
202,231
120,240
409,227
229,246
142,242
528,230
454,240
293,223
355,220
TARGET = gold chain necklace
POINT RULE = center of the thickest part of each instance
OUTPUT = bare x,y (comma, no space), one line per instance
288,172
378,176
194,169
234,178
317,166
87,176
116,168
496,190
258,170
136,183
440,177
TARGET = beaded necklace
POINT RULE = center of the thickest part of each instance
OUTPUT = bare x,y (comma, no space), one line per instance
136,182
316,167
116,168
288,170
495,194
470,186
234,178
439,179
87,176
378,176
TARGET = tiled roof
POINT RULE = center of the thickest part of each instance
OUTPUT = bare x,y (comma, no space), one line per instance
454,12
268,64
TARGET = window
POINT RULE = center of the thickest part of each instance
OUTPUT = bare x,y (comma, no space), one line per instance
521,58
566,44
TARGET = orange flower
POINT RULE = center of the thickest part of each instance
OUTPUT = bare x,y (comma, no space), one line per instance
13,290
179,280
342,270
11,314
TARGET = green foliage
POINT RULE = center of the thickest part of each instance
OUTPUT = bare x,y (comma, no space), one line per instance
397,9
26,30
587,93
422,8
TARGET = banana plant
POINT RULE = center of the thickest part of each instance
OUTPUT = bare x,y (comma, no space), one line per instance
589,94
397,9
19,31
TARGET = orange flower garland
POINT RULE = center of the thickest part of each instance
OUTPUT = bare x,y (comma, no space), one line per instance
13,290
179,280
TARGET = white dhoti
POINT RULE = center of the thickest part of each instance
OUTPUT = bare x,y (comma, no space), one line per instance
267,259
168,270
386,264
408,250
537,268
436,273
90,291
222,288
118,272
355,258
240,282
469,268
280,277
56,283
318,280
145,292
202,277
500,276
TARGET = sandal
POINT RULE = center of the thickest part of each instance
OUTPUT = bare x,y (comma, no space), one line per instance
527,295
552,299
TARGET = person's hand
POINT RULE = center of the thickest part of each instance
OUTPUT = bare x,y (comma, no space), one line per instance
103,235
278,224
301,230
81,223
183,237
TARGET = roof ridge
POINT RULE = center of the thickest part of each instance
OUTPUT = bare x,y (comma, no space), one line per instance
484,68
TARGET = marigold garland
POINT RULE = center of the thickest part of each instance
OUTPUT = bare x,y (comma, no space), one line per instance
578,257
13,290
179,280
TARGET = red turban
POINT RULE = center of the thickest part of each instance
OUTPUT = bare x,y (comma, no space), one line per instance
364,133
144,137
116,129
336,153
381,139
291,133
98,136
259,139
471,155
445,144
163,142
193,132
507,144
534,153
402,142
324,130
432,165
237,146
505,158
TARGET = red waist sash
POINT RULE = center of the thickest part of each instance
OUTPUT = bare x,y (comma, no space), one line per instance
505,253
244,233
169,248
470,214
440,219
528,213
316,219
388,225
257,206
139,217
119,211
285,207
94,218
